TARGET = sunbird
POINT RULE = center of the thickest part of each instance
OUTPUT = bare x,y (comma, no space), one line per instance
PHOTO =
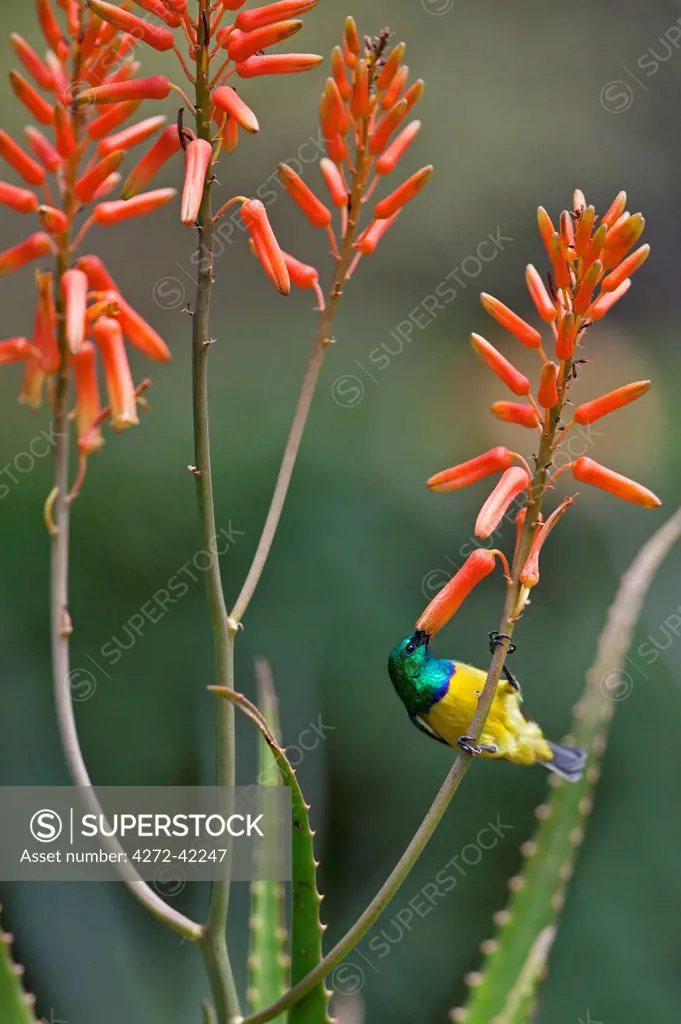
441,697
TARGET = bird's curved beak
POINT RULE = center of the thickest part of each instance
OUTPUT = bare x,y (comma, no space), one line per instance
421,638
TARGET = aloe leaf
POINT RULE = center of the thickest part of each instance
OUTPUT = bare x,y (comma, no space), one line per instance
538,893
16,1006
306,927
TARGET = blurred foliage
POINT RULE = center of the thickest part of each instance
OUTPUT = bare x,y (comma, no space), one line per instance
512,118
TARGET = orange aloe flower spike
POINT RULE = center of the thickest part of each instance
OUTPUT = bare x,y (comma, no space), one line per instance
88,405
477,566
120,388
198,156
547,396
518,327
545,305
314,209
496,460
389,206
589,412
588,471
499,364
529,576
254,216
75,289
516,412
229,101
514,481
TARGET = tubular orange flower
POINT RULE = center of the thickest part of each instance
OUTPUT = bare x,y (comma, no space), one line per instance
156,36
557,257
28,169
546,228
477,566
53,220
620,239
242,45
14,350
111,119
314,209
589,412
499,364
529,576
124,209
372,235
165,147
521,330
107,186
567,230
390,123
229,101
154,88
34,248
63,133
394,91
514,481
351,37
336,107
545,305
51,30
588,471
626,268
496,460
198,156
360,103
44,333
414,94
254,216
547,396
389,206
595,248
87,186
20,199
161,10
119,384
585,292
75,288
338,190
32,62
278,64
43,149
302,274
391,67
88,405
131,136
259,17
516,412
340,74
584,229
32,100
230,135
607,300
615,211
397,148
567,337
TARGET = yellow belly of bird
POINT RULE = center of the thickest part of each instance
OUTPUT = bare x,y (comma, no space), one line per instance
507,729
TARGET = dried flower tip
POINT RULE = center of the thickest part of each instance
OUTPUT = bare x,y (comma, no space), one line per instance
41,110
546,228
546,307
132,136
229,101
587,471
75,289
557,257
20,199
589,412
512,378
87,187
616,210
516,412
586,288
51,30
156,36
390,123
314,209
391,67
389,206
607,300
567,337
372,235
155,88
43,149
583,232
242,45
278,64
254,216
125,209
335,183
34,248
514,481
259,17
360,104
54,221
198,156
14,350
351,36
496,460
441,609
88,405
625,269
511,321
30,171
32,62
119,384
340,74
165,147
529,576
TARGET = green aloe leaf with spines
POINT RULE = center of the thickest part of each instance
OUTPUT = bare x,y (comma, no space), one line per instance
538,893
306,927
16,1005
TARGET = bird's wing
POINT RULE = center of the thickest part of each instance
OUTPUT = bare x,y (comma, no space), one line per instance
427,729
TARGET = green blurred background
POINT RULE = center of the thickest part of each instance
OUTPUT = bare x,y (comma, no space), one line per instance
523,103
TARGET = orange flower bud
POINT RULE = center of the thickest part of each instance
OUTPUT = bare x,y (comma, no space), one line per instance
53,220
45,329
557,257
336,107
391,67
477,566
88,405
166,146
567,230
529,576
19,199
595,248
516,412
360,104
63,133
155,88
587,471
620,239
34,248
338,190
254,216
229,101
514,481
86,187
372,235
302,274
390,123
314,209
198,156
521,330
32,62
131,136
112,119
389,206
394,90
586,289
75,288
242,45
618,207
583,232
414,94
107,186
340,75
512,378
546,307
259,17
125,209
277,64
547,395
136,329
119,384
14,350
30,171
589,412
546,228
98,276
51,30
567,337
625,269
43,149
351,36
161,10
607,300
32,100
230,135
156,36
496,460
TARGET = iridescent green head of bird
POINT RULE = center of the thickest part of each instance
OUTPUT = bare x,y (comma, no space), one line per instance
419,678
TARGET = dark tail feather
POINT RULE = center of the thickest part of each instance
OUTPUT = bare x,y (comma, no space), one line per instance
568,762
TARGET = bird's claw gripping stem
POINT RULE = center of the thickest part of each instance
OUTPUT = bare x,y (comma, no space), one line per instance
469,746
495,639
